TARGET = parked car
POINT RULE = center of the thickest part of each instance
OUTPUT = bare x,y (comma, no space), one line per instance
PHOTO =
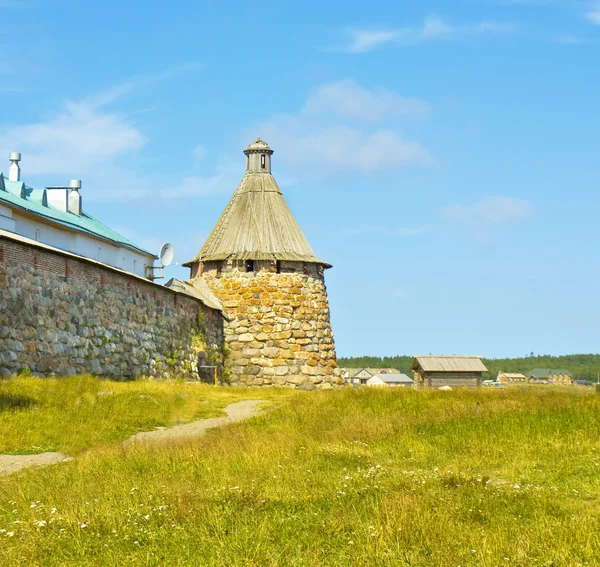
492,384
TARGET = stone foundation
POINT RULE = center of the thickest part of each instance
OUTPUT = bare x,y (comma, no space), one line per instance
278,330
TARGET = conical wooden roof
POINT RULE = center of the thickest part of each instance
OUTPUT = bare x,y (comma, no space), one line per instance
257,224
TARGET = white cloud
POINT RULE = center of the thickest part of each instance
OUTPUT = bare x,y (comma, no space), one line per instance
315,149
328,134
489,209
76,139
225,178
594,14
572,40
434,28
365,40
84,139
399,295
199,152
346,99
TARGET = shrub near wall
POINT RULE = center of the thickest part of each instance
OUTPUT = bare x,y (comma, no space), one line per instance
60,314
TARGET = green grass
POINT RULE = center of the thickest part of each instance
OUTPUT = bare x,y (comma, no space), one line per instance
78,413
352,477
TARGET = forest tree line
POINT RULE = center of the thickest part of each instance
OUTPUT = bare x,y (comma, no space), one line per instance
581,366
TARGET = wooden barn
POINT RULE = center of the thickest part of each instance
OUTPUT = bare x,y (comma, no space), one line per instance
454,371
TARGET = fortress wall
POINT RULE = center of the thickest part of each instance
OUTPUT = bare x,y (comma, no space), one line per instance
61,314
278,331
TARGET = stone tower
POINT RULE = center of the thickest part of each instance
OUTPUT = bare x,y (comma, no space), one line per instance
260,266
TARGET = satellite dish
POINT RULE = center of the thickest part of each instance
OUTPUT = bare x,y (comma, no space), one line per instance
166,254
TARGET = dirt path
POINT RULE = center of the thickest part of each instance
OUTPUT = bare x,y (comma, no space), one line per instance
235,412
13,463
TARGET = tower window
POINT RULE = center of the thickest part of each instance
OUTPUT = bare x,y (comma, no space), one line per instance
249,265
263,161
278,266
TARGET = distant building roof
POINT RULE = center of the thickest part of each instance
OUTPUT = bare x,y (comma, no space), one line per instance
352,372
444,363
17,194
545,372
512,375
394,378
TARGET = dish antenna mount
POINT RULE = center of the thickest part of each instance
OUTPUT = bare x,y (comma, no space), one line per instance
165,257
166,254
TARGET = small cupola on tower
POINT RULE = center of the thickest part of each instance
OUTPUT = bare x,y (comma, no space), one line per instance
258,157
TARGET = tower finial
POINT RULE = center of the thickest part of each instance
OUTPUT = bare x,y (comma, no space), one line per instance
258,157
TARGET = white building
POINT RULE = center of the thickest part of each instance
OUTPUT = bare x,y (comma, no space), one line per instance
54,216
390,380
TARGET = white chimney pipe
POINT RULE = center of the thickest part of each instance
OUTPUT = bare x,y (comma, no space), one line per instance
14,173
74,201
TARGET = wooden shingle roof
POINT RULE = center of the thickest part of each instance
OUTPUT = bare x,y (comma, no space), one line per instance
449,363
257,224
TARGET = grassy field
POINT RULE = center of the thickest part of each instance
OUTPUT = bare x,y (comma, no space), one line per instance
74,414
352,477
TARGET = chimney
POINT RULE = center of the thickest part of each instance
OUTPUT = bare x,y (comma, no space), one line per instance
74,196
14,173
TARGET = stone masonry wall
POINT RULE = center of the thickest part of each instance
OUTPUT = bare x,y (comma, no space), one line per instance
278,331
63,315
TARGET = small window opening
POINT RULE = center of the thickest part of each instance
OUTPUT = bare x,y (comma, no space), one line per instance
263,161
278,266
134,266
38,235
249,265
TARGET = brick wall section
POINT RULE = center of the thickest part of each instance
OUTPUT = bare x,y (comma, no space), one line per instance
63,315
279,332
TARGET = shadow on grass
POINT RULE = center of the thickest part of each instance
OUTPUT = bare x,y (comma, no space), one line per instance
10,402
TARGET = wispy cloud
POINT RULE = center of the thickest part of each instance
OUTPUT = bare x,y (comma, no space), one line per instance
573,40
490,209
77,138
434,28
594,14
348,100
400,295
329,135
115,92
227,174
368,40
87,139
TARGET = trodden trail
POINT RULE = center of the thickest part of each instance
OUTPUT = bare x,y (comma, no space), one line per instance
235,412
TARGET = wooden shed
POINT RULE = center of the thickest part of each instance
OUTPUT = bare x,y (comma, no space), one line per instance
454,371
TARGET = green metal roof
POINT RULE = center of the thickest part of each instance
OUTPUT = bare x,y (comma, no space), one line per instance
21,196
545,372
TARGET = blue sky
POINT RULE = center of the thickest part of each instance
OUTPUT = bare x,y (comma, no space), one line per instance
443,156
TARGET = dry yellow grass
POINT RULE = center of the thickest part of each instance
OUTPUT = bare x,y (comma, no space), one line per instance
369,477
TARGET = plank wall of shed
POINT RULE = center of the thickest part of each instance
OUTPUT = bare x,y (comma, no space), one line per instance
452,379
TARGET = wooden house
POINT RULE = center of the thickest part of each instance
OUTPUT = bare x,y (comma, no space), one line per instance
453,371
509,377
550,376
